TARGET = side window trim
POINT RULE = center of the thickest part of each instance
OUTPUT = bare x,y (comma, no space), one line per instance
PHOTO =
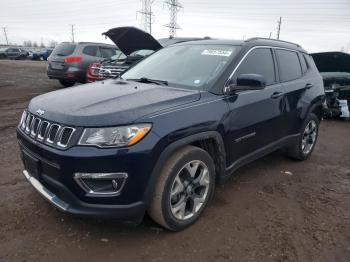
248,52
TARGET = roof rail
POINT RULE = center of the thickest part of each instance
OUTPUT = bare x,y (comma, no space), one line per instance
271,39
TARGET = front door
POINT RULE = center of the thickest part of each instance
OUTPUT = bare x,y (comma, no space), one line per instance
256,117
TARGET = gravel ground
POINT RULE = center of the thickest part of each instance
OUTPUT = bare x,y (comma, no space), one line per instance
275,209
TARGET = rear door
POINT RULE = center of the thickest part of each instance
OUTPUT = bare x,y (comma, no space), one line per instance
292,71
256,117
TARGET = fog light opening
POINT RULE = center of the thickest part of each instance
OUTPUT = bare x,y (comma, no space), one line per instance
101,184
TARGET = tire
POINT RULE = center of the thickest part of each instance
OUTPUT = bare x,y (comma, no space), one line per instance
67,83
193,196
298,151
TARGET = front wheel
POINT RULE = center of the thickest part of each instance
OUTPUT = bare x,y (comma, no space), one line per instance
303,148
67,83
184,188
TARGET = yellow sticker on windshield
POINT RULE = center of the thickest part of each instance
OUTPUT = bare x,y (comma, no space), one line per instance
217,52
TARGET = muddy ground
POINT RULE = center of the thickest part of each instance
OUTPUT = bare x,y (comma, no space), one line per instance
262,214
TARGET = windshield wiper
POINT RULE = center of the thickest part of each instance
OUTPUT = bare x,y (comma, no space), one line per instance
148,80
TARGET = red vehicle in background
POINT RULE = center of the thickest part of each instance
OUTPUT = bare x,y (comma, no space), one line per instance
92,74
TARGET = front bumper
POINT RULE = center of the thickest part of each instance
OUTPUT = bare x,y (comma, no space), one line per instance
55,178
132,213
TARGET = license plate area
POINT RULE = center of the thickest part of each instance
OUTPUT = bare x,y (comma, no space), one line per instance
56,65
31,164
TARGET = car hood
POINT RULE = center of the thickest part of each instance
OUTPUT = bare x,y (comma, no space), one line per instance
131,39
332,61
108,103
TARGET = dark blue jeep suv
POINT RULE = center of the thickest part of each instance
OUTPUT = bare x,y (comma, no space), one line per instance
159,137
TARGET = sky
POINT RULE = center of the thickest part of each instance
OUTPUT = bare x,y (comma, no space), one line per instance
317,25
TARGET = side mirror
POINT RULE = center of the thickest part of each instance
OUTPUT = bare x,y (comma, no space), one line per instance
247,82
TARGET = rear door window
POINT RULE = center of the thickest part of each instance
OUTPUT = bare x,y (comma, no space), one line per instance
64,49
107,52
91,50
289,65
259,61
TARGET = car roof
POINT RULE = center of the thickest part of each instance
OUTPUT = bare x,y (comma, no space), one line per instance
90,43
249,42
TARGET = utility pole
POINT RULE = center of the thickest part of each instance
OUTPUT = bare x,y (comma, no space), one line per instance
5,32
146,15
72,33
279,28
175,6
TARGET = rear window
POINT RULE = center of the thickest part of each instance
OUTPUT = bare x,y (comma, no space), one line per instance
64,49
289,65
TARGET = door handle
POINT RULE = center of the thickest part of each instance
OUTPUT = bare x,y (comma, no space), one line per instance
276,95
308,86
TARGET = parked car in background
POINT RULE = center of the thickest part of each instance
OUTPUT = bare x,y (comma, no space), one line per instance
16,53
68,62
42,54
159,138
335,70
3,52
124,37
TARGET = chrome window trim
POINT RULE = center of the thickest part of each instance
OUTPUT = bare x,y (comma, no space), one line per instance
60,136
247,53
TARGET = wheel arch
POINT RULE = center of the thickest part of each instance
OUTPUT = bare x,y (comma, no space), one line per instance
210,141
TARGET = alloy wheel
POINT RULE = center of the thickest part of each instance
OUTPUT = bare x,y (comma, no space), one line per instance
309,137
189,190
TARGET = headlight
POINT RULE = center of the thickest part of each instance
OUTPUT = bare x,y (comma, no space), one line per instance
114,136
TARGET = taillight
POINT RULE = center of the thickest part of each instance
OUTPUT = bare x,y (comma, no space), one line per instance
72,59
94,69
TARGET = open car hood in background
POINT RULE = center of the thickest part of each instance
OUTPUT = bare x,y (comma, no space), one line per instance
332,61
131,39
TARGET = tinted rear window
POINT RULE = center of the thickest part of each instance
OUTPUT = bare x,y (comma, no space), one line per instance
289,65
64,49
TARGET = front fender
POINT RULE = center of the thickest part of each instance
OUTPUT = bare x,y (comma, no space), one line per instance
176,145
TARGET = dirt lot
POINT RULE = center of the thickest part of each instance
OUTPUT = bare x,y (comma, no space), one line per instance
262,214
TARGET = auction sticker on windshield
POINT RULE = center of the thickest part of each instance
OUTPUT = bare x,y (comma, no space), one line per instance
217,52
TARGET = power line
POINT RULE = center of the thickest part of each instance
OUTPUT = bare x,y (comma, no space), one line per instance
279,28
7,41
72,33
146,15
175,6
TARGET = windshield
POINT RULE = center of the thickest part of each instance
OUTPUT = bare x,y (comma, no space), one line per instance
143,52
118,56
185,66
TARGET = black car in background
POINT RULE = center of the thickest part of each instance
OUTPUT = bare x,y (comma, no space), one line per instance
135,45
42,54
3,52
16,53
68,62
160,137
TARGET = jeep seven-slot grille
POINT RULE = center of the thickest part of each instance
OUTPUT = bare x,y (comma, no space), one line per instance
46,131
